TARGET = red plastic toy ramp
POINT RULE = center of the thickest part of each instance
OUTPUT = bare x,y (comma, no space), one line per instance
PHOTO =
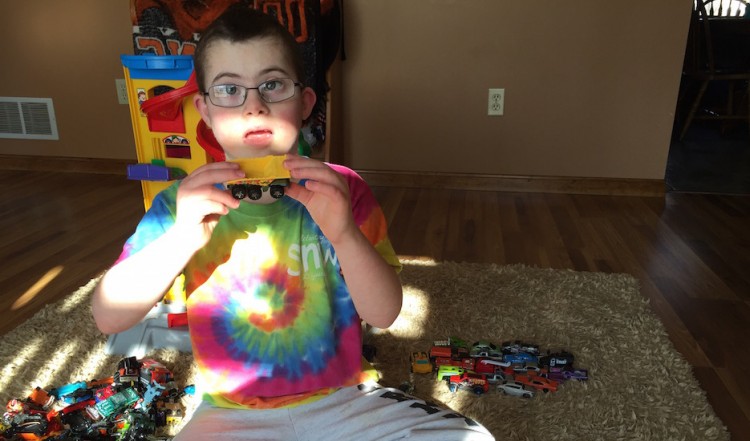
167,106
208,142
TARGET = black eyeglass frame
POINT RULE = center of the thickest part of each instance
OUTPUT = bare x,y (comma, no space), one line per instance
258,87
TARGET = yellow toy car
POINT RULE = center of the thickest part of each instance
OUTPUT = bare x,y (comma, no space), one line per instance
261,174
420,363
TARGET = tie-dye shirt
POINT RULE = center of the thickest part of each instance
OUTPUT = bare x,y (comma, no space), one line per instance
270,316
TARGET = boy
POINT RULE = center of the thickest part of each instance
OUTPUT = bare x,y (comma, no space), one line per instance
275,288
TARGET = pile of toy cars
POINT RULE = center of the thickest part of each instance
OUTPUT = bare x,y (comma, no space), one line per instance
515,368
138,402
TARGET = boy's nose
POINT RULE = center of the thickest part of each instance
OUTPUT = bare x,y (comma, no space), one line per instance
254,104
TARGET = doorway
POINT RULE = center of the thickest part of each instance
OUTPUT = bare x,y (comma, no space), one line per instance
713,155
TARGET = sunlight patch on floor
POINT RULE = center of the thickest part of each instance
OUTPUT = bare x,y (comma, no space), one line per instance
56,363
88,368
35,289
413,314
169,356
22,357
417,260
72,301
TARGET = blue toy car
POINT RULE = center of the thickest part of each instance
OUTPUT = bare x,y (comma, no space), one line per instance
519,358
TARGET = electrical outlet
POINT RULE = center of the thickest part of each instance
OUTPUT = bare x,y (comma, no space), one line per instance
496,102
122,90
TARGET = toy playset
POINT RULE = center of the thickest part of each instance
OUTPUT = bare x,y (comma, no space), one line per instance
164,118
165,326
514,368
140,401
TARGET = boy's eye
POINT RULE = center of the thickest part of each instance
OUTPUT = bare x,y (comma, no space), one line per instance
226,90
271,85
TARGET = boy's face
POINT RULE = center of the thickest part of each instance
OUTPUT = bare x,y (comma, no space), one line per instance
256,128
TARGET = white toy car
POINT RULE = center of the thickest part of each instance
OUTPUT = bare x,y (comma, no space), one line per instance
515,389
497,377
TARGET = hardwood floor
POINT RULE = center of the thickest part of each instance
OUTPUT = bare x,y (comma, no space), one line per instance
691,252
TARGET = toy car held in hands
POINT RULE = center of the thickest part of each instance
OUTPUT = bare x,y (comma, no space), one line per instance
261,174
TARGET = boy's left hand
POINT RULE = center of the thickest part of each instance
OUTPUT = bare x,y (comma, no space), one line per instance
325,194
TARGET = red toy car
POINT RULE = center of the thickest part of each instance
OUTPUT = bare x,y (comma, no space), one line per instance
489,366
151,371
476,382
537,382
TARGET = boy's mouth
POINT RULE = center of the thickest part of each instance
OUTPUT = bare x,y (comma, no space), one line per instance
259,138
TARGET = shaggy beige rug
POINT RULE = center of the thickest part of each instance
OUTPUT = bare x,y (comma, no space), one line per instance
640,387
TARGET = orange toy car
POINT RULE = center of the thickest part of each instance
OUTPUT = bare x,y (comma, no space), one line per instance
537,382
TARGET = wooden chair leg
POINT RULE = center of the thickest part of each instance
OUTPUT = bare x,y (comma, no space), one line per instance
694,108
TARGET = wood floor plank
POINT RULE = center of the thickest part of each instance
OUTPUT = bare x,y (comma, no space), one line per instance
730,413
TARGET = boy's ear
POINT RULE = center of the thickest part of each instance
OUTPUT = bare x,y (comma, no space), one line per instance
200,104
308,102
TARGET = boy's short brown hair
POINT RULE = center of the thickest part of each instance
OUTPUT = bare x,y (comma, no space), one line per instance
239,23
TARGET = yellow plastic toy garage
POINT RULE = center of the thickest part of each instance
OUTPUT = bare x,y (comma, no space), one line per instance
165,120
166,128
165,125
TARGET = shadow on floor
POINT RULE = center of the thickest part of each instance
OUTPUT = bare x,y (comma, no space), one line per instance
707,161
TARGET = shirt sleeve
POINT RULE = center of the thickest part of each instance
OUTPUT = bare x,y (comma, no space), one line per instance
157,220
368,215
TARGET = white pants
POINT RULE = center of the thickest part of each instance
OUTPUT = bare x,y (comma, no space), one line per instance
365,412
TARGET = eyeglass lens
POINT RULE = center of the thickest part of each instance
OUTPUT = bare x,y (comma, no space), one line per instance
232,95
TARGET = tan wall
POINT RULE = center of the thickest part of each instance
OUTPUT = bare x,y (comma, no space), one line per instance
69,51
590,85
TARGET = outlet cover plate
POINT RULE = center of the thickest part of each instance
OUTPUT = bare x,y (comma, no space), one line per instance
122,90
496,102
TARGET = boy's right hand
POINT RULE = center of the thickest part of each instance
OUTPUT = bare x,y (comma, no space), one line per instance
200,203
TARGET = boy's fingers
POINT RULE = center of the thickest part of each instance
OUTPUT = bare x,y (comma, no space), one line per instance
295,191
224,197
304,193
329,189
195,192
320,173
201,211
300,162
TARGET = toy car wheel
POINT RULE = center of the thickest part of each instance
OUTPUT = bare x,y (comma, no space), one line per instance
254,193
277,191
478,390
527,395
545,390
452,388
238,191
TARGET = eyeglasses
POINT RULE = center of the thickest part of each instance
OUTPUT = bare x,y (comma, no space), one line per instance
233,95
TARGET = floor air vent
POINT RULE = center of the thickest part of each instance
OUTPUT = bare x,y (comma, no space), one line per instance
27,118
